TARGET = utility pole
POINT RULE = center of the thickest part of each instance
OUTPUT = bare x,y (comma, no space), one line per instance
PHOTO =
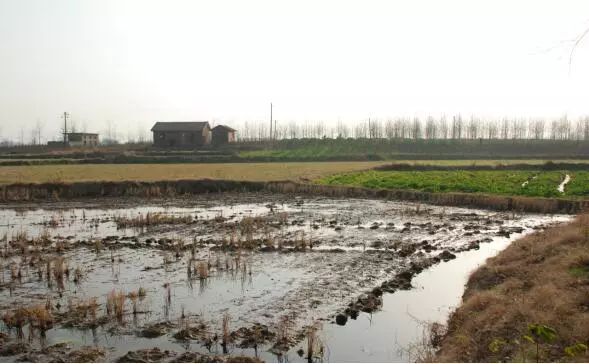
271,122
65,116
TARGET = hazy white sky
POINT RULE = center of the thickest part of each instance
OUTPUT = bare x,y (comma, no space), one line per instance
134,62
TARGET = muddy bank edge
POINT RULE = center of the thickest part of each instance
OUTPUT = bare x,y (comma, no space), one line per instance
21,192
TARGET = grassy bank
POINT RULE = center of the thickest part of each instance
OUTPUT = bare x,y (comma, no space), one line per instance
389,149
531,182
529,303
158,172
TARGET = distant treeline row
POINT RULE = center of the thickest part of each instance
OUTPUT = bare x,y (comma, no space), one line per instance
442,128
455,127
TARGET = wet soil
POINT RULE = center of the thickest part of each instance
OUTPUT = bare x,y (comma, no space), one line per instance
217,276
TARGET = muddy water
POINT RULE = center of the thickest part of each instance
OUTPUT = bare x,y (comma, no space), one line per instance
313,257
395,333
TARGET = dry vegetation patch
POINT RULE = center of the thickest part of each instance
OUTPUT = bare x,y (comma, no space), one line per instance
529,303
154,172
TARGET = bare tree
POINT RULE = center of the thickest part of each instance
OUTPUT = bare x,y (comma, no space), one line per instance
443,127
430,128
472,131
342,130
416,129
457,127
389,129
493,129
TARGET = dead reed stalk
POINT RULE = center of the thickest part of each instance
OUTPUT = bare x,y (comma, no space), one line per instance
225,332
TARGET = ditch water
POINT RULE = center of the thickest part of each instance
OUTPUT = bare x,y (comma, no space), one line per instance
278,262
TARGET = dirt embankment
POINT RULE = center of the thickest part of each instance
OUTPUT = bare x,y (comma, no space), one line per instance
529,303
59,191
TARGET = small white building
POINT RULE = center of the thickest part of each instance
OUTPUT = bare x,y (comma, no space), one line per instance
82,139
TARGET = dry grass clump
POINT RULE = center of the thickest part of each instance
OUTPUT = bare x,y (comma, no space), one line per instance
283,218
16,320
21,236
283,331
115,304
60,271
151,219
314,343
38,317
97,245
78,275
248,227
84,309
53,222
133,297
424,350
541,281
43,239
167,259
301,242
202,269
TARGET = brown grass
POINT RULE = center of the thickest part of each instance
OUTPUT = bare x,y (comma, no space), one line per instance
60,269
202,269
84,308
151,219
154,172
540,279
314,344
283,329
115,304
40,317
133,297
78,275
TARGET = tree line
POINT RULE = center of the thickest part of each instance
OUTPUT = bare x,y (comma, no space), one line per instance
430,128
454,128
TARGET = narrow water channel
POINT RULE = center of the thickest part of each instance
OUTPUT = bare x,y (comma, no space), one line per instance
388,335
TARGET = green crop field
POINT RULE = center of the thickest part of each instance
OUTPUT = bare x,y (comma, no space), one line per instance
539,183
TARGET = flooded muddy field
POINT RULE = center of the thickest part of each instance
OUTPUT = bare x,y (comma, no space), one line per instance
229,277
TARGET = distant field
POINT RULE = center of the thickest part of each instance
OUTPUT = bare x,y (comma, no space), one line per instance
502,182
153,172
235,171
539,183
